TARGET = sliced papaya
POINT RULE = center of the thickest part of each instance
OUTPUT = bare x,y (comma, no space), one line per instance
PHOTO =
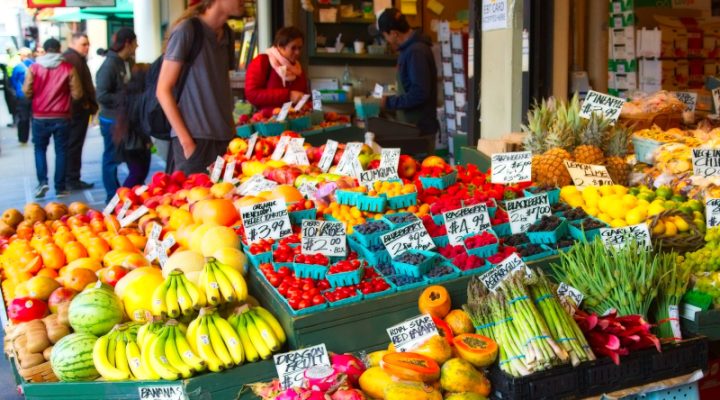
435,300
444,329
478,350
411,367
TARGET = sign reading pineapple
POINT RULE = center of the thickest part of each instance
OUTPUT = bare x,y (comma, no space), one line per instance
608,106
584,175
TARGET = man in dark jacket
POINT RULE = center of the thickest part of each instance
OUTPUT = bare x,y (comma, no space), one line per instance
416,101
111,78
82,110
51,84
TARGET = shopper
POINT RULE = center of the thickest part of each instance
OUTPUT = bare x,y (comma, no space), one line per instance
133,146
201,120
82,110
23,109
416,100
51,84
13,59
112,77
277,77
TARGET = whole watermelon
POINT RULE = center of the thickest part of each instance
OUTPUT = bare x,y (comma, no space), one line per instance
95,311
72,358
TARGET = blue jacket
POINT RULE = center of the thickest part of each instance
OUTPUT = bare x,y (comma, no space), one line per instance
18,77
417,73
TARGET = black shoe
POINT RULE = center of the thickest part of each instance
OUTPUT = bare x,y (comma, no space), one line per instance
62,193
40,190
80,185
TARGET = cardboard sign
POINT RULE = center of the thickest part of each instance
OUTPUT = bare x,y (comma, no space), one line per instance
317,100
323,237
524,212
301,102
291,366
135,215
712,213
266,220
494,15
369,177
411,334
378,91
687,98
228,175
608,106
706,162
511,167
327,156
280,148
251,145
496,275
716,100
161,392
584,175
621,237
467,220
217,169
349,164
308,190
284,111
111,205
412,236
390,158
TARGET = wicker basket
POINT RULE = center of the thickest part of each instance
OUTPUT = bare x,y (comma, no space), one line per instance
683,242
38,373
664,121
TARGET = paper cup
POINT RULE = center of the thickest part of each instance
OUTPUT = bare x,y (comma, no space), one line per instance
359,47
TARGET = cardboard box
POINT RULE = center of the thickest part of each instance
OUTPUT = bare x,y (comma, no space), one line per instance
667,42
668,75
623,19
710,68
695,42
619,6
682,74
710,39
696,73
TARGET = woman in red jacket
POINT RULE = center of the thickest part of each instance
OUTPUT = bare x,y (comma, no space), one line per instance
276,77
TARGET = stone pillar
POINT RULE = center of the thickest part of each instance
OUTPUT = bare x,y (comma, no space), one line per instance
146,18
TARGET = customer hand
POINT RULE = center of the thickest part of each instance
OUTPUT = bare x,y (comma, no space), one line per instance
188,148
295,96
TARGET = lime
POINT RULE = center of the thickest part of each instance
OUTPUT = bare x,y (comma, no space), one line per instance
669,204
696,205
678,198
664,192
647,196
686,209
634,191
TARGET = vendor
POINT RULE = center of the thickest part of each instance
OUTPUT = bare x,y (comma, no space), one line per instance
276,77
416,99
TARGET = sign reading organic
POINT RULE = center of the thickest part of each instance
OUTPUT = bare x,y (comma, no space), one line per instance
266,220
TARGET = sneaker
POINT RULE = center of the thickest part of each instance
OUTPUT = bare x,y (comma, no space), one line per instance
62,193
40,190
80,185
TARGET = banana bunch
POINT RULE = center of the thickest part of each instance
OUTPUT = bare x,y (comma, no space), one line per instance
166,353
176,296
222,283
215,340
260,332
116,355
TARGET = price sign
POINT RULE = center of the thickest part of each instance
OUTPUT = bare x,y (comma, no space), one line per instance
124,209
411,334
716,100
302,102
368,178
251,145
706,162
467,220
308,190
284,111
255,185
267,220
412,236
511,167
378,91
570,297
229,171
295,153
494,15
349,164
687,98
142,189
162,392
712,213
111,205
621,237
217,169
328,154
139,212
323,237
584,175
524,212
291,366
280,148
390,158
153,243
608,106
317,100
674,321
496,275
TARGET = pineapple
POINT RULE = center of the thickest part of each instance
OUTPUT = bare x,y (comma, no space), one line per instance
550,168
592,136
616,164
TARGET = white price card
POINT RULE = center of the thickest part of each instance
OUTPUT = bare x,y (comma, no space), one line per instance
378,91
125,207
621,237
511,167
496,275
412,236
317,100
494,15
706,162
608,106
570,297
140,190
217,169
284,111
308,190
712,213
716,100
328,155
687,98
291,366
349,164
390,158
411,334
251,145
584,175
301,102
111,205
266,220
134,216
465,221
161,392
323,237
295,153
369,177
525,211
674,321
280,148
228,175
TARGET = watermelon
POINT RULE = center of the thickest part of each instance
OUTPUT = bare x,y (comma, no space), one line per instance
95,311
72,358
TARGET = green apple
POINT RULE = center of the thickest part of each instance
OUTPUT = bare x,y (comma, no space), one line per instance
364,159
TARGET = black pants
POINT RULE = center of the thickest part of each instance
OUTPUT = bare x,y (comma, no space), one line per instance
23,113
206,151
138,163
76,140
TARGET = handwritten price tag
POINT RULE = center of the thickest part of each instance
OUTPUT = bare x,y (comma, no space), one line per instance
687,98
284,111
251,145
327,156
161,392
125,207
280,148
608,106
229,172
111,205
716,100
712,212
584,175
511,167
135,215
291,366
621,237
308,190
570,297
495,276
369,177
412,236
217,169
142,189
267,220
467,220
301,102
349,164
323,237
295,153
706,162
411,334
524,212
378,91
390,158
317,100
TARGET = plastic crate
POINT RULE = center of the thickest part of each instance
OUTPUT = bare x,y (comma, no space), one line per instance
278,265
347,197
419,270
447,277
547,253
553,195
556,383
244,131
577,233
257,259
296,217
372,203
438,219
350,300
300,123
441,183
274,128
373,258
477,271
645,149
482,251
502,230
348,278
395,225
549,237
402,201
682,392
441,241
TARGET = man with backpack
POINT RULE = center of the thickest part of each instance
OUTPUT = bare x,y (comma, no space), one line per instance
201,115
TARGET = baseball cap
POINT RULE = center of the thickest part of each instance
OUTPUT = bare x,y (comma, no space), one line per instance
388,20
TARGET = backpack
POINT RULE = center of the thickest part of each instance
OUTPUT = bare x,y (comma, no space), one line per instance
153,121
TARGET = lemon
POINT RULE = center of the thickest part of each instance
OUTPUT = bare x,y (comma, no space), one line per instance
568,190
591,191
659,228
670,205
629,200
575,200
606,190
619,189
617,210
592,201
604,204
618,223
655,208
604,218
681,224
670,228
636,216
643,203
591,210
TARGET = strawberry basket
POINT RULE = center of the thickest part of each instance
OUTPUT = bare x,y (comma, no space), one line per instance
244,131
372,203
342,302
442,182
300,123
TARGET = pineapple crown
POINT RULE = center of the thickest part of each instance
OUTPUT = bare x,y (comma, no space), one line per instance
619,141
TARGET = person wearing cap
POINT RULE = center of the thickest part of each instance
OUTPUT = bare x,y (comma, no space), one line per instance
416,98
111,79
51,83
23,110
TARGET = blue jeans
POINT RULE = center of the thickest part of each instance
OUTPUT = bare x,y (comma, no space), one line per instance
109,161
42,130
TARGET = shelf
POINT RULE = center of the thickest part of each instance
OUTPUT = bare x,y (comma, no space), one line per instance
353,59
363,21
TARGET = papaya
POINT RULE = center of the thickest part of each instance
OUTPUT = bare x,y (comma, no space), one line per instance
479,350
434,300
374,381
444,330
436,348
459,322
411,390
458,375
465,396
410,367
375,357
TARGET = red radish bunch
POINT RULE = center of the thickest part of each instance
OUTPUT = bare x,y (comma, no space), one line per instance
615,336
261,246
340,293
344,266
481,239
501,255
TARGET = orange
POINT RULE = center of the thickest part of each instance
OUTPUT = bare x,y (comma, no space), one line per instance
111,223
137,240
61,238
215,212
52,256
73,251
97,225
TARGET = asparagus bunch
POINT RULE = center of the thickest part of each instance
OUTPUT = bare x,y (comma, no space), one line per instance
672,284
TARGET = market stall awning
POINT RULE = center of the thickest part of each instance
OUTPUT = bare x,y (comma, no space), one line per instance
73,16
123,10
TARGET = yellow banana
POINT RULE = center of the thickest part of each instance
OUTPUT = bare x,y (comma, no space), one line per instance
272,321
132,352
103,364
236,279
191,333
257,340
173,356
188,355
266,332
171,299
211,286
183,297
159,306
205,349
141,333
121,361
218,344
197,297
226,288
158,361
251,355
145,358
111,347
231,339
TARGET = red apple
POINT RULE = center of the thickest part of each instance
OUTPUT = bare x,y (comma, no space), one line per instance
407,166
59,296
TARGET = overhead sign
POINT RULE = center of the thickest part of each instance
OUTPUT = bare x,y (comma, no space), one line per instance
69,3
